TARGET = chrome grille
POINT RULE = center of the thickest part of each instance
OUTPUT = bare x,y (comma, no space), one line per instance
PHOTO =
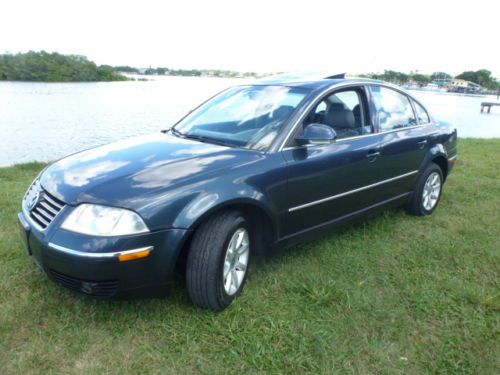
41,206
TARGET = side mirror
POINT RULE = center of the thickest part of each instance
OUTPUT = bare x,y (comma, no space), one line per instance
317,134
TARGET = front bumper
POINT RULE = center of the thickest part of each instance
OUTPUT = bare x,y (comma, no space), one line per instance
91,265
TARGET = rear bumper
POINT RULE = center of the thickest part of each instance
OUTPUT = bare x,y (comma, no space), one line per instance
451,163
90,265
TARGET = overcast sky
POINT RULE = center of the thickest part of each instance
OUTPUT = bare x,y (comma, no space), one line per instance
264,36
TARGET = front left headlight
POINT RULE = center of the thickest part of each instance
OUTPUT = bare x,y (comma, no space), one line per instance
98,220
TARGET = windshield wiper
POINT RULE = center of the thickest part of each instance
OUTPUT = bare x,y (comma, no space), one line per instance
201,138
205,139
174,131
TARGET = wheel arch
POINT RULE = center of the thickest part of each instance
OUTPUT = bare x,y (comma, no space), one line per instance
437,155
262,221
442,163
250,207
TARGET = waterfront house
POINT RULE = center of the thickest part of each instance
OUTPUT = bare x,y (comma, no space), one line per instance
463,86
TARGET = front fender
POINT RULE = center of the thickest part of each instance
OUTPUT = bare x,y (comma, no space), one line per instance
203,207
261,184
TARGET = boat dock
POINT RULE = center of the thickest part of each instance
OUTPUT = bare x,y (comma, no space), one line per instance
488,105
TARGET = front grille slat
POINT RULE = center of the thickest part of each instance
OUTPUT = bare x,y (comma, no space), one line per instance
53,202
46,208
45,214
40,219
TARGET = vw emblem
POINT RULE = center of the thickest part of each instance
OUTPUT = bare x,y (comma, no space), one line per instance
32,198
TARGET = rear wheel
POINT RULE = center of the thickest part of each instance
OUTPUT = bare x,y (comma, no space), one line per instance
218,260
427,191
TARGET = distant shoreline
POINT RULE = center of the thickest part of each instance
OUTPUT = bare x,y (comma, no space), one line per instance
451,93
55,67
129,78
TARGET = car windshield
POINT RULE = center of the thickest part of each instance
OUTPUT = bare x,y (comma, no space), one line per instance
244,116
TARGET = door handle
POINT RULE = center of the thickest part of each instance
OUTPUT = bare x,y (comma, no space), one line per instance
372,155
422,144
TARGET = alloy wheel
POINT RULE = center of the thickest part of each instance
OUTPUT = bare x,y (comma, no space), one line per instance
431,191
236,261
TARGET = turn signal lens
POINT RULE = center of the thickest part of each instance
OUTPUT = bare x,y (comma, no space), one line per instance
136,255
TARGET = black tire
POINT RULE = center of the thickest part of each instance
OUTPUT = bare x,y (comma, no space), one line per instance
416,204
205,261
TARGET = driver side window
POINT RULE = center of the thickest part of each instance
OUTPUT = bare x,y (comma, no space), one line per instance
344,112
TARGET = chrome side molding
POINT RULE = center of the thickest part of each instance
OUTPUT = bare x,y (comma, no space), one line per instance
296,208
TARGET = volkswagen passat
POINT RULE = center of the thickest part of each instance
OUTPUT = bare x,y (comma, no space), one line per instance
256,166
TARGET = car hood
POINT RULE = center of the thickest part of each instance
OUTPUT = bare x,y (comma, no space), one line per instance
120,173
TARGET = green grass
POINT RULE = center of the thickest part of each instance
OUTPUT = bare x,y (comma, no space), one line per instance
396,294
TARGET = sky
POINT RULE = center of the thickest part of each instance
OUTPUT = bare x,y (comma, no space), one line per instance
263,36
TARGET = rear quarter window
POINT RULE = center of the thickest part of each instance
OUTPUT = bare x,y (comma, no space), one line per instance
422,115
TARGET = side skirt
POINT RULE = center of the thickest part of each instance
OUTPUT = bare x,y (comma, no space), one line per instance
317,230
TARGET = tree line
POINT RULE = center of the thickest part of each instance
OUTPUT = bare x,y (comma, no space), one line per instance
482,77
54,67
186,72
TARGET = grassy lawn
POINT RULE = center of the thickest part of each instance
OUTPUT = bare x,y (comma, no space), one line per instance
396,294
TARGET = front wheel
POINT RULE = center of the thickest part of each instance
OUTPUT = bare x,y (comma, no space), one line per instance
218,260
427,191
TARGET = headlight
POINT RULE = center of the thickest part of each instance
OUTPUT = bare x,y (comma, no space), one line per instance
104,221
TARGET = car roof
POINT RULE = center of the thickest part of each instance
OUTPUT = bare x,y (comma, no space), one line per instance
308,82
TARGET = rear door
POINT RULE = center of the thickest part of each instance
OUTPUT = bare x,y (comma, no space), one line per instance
326,182
404,141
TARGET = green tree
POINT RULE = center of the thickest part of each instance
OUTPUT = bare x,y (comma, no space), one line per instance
440,75
420,79
482,77
106,73
126,69
391,76
53,67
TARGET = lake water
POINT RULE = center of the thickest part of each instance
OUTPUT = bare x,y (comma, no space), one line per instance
46,121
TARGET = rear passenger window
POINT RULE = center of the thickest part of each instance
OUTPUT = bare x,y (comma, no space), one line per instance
422,115
394,110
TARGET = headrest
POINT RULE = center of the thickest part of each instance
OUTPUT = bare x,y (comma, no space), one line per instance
356,110
340,117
